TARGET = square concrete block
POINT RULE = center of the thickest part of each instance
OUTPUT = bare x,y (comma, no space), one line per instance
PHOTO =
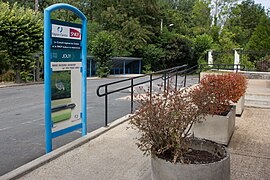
216,128
240,106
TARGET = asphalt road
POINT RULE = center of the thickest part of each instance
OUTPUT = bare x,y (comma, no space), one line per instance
22,132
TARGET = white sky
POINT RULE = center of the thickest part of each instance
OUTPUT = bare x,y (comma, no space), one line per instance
265,3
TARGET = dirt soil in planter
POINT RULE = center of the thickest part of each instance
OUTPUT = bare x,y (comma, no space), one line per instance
196,157
200,157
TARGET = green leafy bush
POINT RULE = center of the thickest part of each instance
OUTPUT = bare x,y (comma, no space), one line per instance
7,76
178,52
153,58
103,49
263,65
21,30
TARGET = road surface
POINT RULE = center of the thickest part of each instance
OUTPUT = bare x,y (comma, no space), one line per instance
22,134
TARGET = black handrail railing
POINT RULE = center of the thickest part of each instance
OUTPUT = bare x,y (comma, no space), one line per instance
236,67
165,76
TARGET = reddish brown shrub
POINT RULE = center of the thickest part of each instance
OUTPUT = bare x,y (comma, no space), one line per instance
164,123
218,92
164,119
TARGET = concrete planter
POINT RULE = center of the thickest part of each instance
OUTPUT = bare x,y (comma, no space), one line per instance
216,128
164,170
240,106
203,74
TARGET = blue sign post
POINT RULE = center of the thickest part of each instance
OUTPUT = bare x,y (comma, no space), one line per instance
65,74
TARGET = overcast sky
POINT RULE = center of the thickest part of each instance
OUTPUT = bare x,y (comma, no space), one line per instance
265,3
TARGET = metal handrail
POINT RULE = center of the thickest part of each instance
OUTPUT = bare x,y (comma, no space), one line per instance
137,77
165,75
236,67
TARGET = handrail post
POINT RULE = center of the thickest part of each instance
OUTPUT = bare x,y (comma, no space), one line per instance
131,97
165,80
150,89
200,70
176,79
106,105
185,79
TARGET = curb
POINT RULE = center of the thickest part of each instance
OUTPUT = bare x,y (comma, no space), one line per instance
32,165
22,84
257,106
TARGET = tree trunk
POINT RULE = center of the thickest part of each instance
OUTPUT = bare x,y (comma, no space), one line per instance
18,75
37,70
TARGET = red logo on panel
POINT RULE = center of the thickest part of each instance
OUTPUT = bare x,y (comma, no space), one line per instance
74,33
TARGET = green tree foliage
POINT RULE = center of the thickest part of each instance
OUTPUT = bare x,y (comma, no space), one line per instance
226,46
201,17
201,44
25,3
180,16
134,23
260,39
103,49
153,57
178,51
22,32
93,29
243,20
131,38
133,28
146,11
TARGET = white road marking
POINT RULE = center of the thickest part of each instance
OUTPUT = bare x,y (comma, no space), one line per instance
6,128
29,122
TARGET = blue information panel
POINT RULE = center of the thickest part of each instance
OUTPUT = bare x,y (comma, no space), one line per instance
65,74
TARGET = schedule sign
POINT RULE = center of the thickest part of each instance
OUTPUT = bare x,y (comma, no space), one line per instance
65,74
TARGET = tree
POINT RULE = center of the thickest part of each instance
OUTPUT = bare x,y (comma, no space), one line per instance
22,32
243,20
260,39
133,36
178,51
226,46
180,16
103,49
201,44
201,17
221,10
153,57
134,22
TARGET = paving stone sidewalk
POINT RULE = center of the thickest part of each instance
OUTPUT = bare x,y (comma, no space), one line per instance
114,155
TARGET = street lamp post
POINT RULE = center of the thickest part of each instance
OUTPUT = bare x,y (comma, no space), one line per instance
36,5
161,25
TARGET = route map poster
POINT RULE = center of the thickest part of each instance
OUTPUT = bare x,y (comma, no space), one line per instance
66,76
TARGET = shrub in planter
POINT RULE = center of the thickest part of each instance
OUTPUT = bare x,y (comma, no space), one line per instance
164,120
240,83
217,93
